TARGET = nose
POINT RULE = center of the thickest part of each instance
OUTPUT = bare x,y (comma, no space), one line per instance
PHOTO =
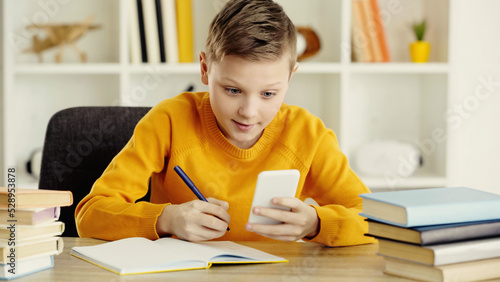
248,108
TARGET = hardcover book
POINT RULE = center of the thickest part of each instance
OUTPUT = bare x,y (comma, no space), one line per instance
31,216
161,39
30,249
436,234
34,198
142,31
170,30
151,30
465,271
431,206
381,38
26,267
134,36
443,253
370,31
24,233
184,16
360,41
140,255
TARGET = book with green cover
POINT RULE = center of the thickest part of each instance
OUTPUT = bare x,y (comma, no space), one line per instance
431,206
140,255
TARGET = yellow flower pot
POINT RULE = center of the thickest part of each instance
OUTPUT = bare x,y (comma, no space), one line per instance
419,51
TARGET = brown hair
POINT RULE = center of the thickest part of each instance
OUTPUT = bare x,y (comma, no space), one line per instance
252,29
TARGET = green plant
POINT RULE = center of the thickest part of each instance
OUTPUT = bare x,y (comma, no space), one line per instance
419,29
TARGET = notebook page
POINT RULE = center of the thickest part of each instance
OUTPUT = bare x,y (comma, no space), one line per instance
219,251
229,249
138,255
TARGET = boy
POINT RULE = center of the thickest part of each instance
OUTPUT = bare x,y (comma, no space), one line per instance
223,139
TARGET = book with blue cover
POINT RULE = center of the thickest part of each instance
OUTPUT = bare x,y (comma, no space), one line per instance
431,206
436,234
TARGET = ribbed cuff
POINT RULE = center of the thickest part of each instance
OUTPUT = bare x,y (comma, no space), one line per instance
336,230
328,228
148,221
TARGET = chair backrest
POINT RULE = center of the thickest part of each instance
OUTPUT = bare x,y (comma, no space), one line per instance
79,144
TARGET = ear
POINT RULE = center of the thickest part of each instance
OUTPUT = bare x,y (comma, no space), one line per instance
293,71
204,68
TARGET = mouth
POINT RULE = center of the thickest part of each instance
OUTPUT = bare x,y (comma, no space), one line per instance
242,126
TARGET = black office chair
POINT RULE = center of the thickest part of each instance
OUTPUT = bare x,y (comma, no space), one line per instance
79,144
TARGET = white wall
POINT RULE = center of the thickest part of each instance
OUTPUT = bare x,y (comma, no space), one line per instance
474,111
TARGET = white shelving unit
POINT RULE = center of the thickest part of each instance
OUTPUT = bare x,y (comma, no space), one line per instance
2,170
361,102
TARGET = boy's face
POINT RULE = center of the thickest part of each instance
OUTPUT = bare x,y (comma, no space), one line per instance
245,95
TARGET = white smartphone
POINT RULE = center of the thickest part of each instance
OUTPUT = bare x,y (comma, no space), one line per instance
270,184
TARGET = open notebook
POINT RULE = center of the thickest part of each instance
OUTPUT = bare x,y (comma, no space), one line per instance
140,255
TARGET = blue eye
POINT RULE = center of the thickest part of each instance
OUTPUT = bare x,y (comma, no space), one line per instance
268,94
232,91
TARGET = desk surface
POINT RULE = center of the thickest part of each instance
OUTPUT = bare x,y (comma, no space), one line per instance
307,262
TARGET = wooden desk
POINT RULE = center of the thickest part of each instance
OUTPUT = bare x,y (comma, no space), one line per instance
308,262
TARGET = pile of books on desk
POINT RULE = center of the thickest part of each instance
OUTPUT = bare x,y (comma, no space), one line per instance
438,234
30,230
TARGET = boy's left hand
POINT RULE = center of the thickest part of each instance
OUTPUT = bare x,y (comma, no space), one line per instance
301,221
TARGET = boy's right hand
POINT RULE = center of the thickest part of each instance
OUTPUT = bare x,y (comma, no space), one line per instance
195,220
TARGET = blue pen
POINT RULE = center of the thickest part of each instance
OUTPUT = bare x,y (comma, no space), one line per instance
190,184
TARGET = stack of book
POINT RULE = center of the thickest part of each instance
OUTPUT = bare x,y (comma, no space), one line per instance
161,31
437,234
369,43
30,230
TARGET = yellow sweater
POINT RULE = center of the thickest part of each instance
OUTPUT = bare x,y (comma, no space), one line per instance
183,131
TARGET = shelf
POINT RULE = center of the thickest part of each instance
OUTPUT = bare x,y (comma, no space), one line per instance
408,68
194,68
94,68
307,67
184,68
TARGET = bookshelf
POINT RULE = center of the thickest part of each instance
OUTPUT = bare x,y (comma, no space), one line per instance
2,170
359,101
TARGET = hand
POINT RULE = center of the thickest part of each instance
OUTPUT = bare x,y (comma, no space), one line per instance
195,220
302,221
